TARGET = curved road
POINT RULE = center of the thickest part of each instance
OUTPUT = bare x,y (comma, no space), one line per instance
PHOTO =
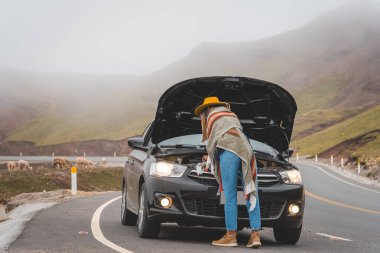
340,216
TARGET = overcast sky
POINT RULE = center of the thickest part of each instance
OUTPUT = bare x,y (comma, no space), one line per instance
135,37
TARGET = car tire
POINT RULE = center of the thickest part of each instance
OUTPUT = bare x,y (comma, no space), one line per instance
128,218
287,235
145,227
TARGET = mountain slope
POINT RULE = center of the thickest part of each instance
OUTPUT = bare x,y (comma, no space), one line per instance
344,42
58,108
330,65
361,125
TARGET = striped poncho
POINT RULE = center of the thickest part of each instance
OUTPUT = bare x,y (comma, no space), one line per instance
220,121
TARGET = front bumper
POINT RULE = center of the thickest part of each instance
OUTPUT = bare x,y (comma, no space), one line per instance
196,203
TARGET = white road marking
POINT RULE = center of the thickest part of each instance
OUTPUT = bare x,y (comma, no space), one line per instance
334,238
341,180
97,232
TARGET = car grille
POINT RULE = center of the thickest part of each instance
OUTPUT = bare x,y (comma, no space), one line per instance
264,179
211,207
205,178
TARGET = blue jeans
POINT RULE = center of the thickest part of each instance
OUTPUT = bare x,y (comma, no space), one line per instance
230,168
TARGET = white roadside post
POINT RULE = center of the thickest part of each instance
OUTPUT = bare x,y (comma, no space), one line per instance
298,157
316,158
74,180
332,159
358,167
3,214
341,162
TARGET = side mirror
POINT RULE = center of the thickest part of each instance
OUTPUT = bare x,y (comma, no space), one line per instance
288,153
137,143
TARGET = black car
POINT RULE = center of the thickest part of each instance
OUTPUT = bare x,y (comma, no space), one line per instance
160,180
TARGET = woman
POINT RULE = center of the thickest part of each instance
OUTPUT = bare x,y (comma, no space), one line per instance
230,153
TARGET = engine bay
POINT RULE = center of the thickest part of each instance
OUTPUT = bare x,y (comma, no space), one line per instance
191,161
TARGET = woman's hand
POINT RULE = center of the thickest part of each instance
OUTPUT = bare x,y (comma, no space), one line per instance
207,161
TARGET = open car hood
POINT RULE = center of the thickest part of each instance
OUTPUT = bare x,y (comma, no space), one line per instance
266,110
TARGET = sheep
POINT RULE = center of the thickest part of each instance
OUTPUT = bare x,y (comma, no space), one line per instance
84,163
24,165
61,162
12,166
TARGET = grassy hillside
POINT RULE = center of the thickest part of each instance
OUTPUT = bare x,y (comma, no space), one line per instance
370,149
45,178
316,120
319,94
331,65
58,108
315,110
359,125
60,128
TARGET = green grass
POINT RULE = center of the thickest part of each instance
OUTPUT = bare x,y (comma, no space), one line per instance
44,178
100,114
60,128
107,179
317,120
358,125
371,150
119,115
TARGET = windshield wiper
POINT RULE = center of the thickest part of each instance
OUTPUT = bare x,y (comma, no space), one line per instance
182,146
164,150
263,153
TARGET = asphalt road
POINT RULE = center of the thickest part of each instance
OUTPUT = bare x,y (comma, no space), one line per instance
340,216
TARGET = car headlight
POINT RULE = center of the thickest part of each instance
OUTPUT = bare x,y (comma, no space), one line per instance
291,176
165,169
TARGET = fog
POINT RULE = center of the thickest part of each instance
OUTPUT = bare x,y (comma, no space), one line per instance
75,70
135,37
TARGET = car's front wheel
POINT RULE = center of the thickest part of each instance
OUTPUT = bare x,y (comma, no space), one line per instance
287,235
145,227
128,218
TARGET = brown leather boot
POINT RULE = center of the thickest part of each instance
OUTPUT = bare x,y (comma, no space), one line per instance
254,240
227,240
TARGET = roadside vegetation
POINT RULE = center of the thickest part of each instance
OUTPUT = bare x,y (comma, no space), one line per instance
45,178
365,124
73,127
332,73
319,119
323,127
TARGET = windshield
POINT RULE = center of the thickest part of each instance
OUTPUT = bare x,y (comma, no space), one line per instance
196,140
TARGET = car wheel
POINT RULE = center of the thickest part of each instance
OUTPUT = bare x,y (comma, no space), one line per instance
287,235
128,218
145,227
